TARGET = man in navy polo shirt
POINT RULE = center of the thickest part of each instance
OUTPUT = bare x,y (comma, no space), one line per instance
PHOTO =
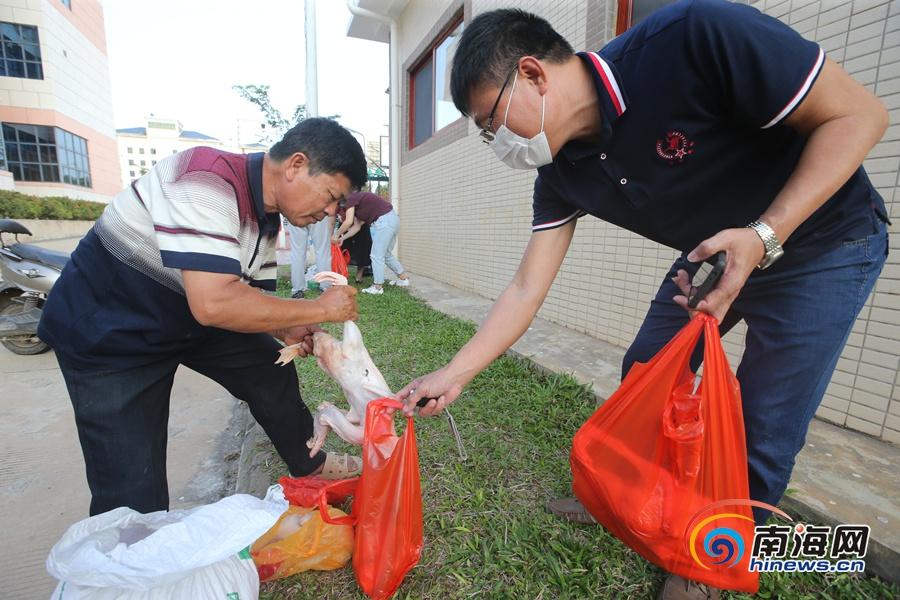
708,127
173,273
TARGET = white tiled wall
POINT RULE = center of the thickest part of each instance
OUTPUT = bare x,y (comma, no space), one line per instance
466,217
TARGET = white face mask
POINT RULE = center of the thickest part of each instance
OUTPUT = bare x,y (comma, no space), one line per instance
519,152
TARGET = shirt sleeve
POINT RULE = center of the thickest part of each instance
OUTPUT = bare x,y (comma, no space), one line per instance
756,67
266,278
196,222
550,211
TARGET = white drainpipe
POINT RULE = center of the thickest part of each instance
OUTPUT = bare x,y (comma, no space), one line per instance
394,174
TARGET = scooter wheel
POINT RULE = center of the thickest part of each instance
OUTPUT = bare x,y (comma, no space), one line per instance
23,344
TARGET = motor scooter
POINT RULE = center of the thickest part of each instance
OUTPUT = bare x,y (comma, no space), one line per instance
28,273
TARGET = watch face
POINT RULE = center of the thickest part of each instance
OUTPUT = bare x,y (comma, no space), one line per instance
770,257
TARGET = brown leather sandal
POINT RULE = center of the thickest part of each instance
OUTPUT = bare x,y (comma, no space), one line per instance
571,510
340,466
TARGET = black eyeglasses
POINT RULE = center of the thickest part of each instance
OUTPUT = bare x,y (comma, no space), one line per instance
486,133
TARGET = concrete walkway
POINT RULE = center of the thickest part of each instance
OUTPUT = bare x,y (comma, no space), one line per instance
42,482
840,477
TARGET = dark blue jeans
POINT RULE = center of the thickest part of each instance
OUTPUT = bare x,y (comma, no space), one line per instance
798,320
122,415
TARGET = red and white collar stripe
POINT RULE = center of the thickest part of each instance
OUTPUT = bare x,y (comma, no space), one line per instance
801,93
609,80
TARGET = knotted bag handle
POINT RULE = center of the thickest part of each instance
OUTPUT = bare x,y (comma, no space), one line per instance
348,486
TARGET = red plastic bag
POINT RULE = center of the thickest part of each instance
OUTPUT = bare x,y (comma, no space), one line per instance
305,491
387,503
650,463
340,260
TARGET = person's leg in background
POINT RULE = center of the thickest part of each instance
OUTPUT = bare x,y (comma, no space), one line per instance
392,223
299,237
122,418
379,249
321,237
798,322
362,252
243,363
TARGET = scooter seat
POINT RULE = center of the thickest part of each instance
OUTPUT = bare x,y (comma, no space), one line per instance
51,258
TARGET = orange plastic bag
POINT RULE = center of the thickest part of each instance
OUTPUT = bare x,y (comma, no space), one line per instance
387,503
652,460
301,541
340,260
305,491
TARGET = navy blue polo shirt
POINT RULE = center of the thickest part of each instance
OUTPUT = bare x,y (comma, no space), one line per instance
120,301
693,141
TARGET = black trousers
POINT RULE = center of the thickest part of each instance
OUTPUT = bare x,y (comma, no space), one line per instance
122,415
360,247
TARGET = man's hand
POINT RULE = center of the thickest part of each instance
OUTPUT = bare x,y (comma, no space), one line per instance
438,385
743,250
301,334
339,304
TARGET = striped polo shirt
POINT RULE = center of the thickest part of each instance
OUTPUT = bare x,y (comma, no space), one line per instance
120,301
693,101
195,210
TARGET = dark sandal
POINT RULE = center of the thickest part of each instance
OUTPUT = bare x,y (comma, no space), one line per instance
572,510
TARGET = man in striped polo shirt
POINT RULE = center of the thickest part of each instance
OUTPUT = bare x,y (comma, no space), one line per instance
173,273
707,127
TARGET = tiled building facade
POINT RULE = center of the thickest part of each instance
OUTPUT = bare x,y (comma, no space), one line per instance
466,217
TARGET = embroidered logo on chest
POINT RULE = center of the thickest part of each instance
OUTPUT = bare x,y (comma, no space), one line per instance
675,147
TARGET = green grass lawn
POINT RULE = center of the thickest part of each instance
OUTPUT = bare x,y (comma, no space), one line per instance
486,531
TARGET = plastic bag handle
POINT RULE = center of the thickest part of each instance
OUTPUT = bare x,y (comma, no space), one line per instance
323,507
388,402
385,402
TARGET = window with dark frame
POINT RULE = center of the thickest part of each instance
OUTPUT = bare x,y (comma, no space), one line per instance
632,12
20,51
430,104
44,153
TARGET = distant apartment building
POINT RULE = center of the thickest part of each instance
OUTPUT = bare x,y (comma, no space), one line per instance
57,136
142,147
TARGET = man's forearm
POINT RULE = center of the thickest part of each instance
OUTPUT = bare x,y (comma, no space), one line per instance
821,171
507,320
242,308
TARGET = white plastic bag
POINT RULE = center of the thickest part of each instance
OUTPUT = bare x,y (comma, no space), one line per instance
177,554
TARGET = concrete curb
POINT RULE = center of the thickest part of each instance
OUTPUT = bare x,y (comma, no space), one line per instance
251,475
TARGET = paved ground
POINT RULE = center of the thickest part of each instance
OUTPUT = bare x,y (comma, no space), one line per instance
840,477
42,483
